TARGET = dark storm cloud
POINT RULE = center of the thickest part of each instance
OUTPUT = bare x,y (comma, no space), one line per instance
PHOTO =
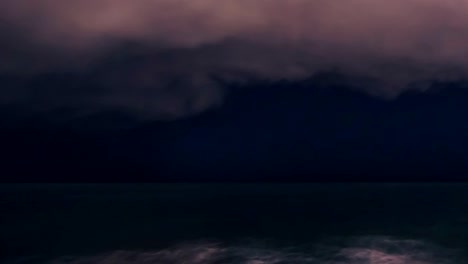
179,45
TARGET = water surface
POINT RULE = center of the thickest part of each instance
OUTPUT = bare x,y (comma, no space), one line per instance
234,223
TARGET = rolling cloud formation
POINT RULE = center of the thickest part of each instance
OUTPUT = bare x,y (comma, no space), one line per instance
159,57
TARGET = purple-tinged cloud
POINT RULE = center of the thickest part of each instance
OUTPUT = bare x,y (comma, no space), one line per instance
182,44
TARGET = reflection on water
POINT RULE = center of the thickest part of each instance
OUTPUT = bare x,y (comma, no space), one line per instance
244,224
362,250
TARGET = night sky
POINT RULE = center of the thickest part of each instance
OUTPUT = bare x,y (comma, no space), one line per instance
233,90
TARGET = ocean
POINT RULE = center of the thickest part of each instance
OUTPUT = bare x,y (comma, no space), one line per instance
293,223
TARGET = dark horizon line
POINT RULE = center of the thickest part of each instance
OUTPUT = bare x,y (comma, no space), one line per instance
439,181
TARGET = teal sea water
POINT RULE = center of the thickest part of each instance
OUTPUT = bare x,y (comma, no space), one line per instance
234,223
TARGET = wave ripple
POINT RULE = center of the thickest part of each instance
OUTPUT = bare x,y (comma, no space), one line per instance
362,250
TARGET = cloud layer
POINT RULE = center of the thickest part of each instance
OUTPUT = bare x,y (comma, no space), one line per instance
173,48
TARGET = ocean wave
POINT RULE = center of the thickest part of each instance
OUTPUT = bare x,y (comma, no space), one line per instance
361,250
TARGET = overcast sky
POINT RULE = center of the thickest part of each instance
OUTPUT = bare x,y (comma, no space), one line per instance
179,45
